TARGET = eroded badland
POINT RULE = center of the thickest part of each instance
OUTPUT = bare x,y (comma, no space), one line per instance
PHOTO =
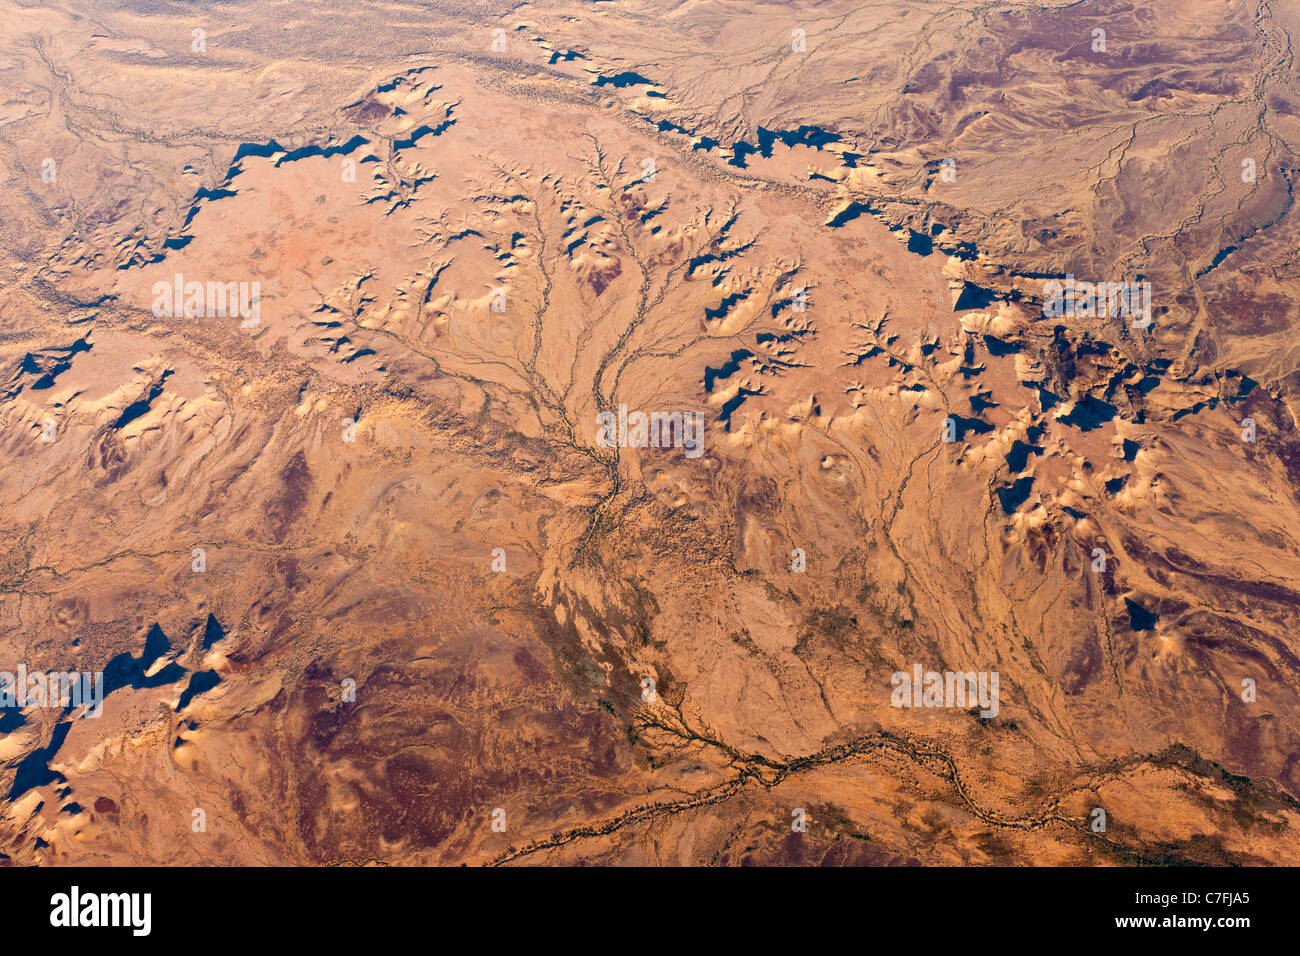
371,579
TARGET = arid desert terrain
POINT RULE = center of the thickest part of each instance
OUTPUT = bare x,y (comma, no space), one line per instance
640,432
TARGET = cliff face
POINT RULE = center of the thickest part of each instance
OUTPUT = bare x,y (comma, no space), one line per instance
312,332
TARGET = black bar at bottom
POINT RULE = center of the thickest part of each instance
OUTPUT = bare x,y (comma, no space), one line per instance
336,906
